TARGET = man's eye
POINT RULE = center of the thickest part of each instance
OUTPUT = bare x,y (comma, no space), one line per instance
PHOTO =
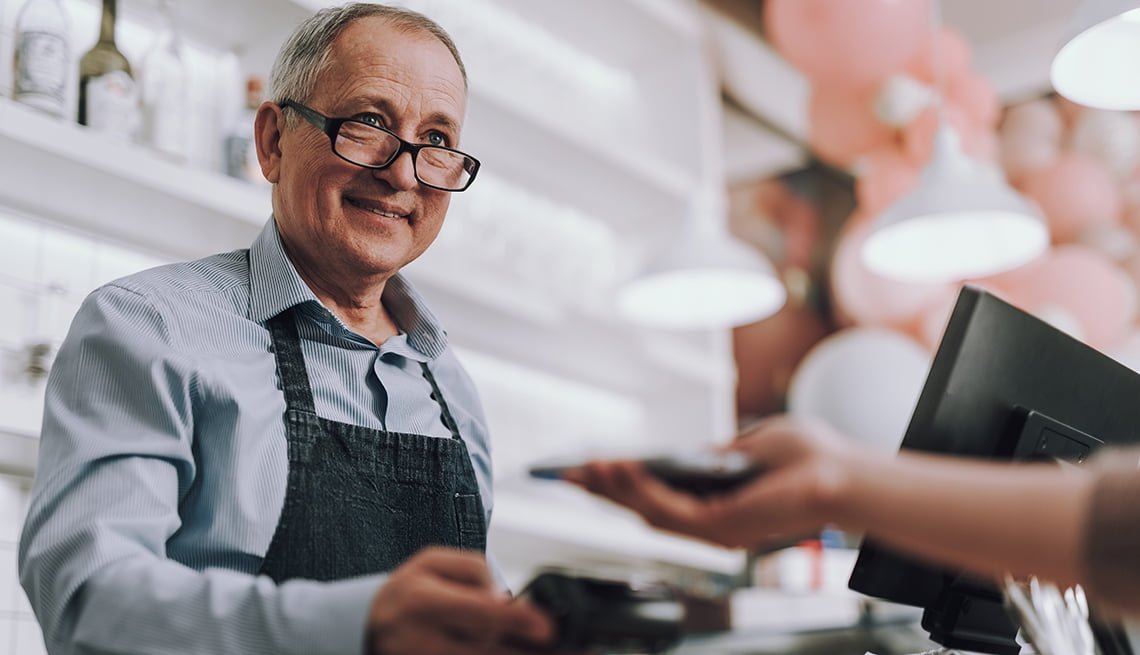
369,119
437,139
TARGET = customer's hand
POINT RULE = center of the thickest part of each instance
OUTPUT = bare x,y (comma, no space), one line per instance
445,602
805,468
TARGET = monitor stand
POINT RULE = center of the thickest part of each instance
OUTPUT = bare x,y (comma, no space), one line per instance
969,614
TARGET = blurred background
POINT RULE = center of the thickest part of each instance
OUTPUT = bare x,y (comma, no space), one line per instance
665,242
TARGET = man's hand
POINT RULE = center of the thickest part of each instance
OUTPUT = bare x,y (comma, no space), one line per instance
444,602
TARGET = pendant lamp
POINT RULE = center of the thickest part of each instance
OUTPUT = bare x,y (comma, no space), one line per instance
1098,64
703,280
961,221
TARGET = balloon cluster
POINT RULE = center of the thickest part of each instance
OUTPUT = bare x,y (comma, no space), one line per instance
876,69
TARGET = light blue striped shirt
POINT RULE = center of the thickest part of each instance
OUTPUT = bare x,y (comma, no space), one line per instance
163,463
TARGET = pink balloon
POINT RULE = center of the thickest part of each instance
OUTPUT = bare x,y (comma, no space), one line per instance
864,298
1131,198
1023,152
1030,137
886,175
1039,118
985,146
948,48
1069,110
918,136
842,124
1131,218
840,42
1127,350
1078,282
1075,192
932,322
976,97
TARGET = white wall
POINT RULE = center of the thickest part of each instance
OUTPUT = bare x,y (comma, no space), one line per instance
19,632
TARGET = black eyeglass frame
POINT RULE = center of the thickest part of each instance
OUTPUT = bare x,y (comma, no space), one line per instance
331,127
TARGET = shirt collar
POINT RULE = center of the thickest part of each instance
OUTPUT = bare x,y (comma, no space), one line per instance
276,286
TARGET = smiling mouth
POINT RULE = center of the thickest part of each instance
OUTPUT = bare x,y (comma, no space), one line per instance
374,208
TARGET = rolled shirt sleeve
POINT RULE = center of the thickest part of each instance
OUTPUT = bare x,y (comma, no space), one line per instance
117,457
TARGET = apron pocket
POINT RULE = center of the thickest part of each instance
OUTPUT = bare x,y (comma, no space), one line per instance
469,519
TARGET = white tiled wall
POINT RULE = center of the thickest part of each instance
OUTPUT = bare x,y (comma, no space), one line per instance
45,271
19,632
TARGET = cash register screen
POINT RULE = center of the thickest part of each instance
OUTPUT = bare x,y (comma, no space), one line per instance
996,363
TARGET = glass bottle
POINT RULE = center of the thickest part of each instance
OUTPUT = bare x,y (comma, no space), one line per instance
108,97
240,150
164,80
43,56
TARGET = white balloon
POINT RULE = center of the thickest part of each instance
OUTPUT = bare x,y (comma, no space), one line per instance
864,382
901,99
1111,136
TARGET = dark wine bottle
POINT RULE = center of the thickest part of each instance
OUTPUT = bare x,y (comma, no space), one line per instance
108,95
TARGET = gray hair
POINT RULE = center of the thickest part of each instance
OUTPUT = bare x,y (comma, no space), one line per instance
308,51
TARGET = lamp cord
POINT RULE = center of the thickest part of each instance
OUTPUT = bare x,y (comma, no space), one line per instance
937,64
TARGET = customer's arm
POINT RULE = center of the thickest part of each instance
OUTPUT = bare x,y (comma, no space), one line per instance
985,517
1110,564
116,458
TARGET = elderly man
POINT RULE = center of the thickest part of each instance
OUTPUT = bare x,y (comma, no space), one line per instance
255,452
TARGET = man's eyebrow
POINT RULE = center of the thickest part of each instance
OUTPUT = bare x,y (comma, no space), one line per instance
436,119
443,120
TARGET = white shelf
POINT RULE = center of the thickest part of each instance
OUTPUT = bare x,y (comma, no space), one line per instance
69,174
609,179
21,413
18,453
225,25
499,318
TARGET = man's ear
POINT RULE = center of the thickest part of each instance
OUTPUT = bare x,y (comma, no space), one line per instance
267,128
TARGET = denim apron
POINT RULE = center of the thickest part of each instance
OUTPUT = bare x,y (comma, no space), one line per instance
361,500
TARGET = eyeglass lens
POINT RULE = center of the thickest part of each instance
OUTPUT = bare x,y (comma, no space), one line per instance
368,146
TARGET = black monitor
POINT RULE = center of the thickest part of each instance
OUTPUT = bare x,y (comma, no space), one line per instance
1003,385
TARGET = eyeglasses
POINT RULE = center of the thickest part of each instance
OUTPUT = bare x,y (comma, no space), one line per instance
375,147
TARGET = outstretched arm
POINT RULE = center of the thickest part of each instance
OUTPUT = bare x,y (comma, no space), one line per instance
981,516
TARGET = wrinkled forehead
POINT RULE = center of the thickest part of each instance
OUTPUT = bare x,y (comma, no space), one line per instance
408,65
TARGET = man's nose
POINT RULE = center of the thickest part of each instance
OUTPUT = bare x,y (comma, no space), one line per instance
400,174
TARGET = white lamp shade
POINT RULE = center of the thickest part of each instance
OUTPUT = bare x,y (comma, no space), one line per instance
703,283
1098,64
961,221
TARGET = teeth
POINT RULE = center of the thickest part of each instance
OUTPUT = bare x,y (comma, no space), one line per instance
378,212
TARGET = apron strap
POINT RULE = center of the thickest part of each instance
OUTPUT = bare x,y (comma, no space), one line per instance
445,412
291,362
